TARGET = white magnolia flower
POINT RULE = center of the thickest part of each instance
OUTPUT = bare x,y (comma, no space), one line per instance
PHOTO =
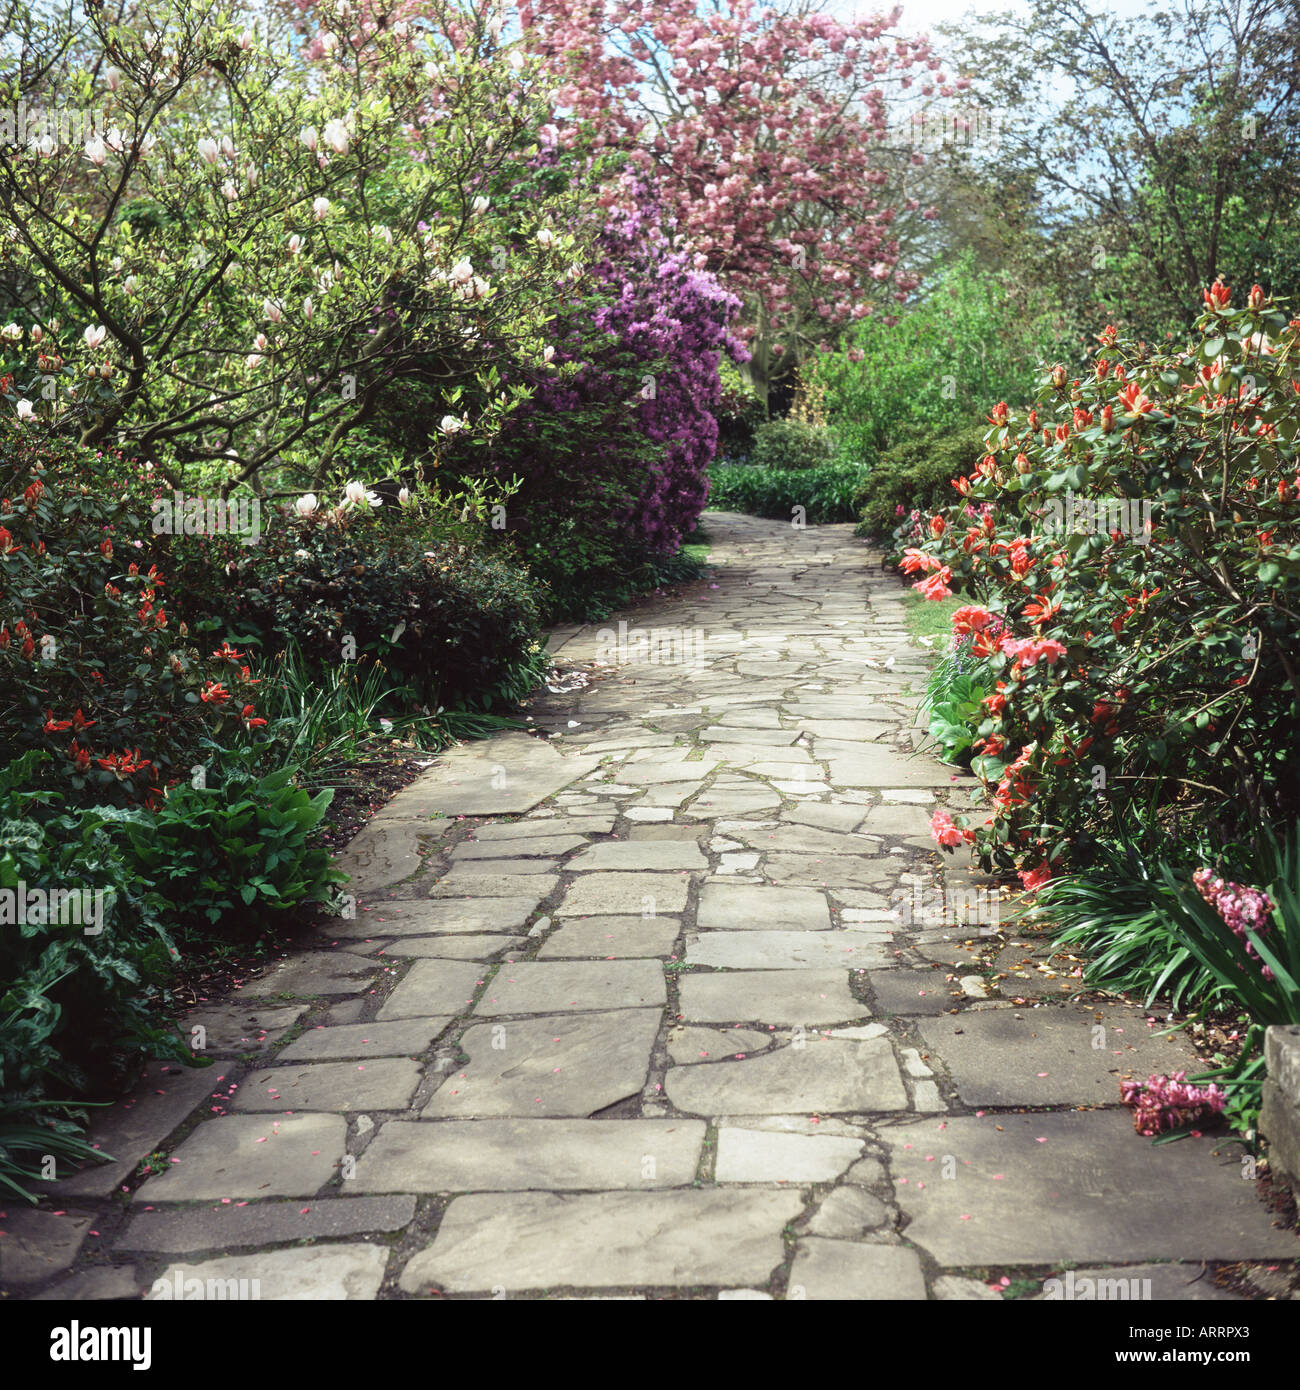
273,310
47,147
494,28
307,504
209,151
308,308
480,204
451,425
329,42
462,272
308,137
326,281
115,140
546,238
548,353
130,284
295,244
94,336
404,496
384,235
37,333
96,151
229,191
147,142
337,137
320,206
227,147
113,77
246,40
26,411
254,359
516,60
11,332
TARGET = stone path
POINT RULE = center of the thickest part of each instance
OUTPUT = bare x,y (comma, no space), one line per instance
670,1004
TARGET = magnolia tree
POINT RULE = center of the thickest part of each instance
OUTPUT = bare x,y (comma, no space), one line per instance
222,257
767,131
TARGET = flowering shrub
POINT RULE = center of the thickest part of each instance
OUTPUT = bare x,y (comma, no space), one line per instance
450,621
782,444
94,667
1139,541
1242,909
613,445
1165,1103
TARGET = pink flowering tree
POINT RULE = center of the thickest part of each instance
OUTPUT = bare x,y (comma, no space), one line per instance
766,130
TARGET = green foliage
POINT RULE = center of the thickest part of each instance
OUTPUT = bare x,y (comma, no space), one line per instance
95,669
969,341
238,853
1149,932
80,973
825,493
456,623
1135,539
952,699
789,444
917,475
740,412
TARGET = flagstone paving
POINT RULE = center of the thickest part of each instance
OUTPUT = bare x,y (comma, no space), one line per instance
649,1001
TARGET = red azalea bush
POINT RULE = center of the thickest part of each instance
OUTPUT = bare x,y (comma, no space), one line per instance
95,668
1137,536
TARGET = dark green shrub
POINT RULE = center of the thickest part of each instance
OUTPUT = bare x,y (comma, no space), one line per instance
79,974
791,444
825,493
456,623
917,474
239,853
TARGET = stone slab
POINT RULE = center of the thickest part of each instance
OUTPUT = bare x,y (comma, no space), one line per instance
387,852
432,988
631,855
386,1083
740,907
842,1269
318,1273
453,947
166,1095
905,993
502,775
788,950
877,765
541,987
186,1231
233,1029
567,1066
1072,1187
658,1239
429,917
515,1155
313,973
639,894
831,870
1048,1056
35,1245
770,996
824,1075
524,847
689,1045
620,937
490,878
748,1155
252,1156
402,1039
